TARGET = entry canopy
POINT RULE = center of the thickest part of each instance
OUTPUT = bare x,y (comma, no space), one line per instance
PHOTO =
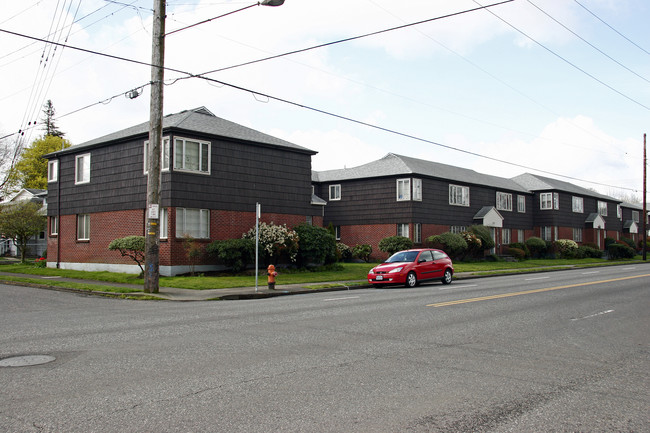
489,216
595,220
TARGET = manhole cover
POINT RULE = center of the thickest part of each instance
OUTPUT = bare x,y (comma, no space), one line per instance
26,360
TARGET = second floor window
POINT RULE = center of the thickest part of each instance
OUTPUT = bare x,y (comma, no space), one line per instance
192,155
521,203
635,216
335,192
53,170
504,201
602,208
459,195
82,168
164,156
578,204
549,200
403,189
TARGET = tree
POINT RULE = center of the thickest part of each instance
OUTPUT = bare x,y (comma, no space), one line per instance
130,246
31,169
9,154
316,245
50,125
20,222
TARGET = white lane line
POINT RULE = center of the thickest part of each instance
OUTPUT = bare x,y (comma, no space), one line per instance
49,278
455,286
592,272
594,315
630,268
342,298
537,278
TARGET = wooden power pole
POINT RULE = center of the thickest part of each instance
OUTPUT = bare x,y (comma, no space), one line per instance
152,247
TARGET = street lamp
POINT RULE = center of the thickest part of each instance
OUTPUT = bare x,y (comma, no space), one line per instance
152,231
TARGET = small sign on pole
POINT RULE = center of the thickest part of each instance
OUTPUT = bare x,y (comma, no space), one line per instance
258,215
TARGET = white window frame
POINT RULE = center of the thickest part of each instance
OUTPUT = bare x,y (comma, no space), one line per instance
53,170
504,201
181,223
635,216
83,227
180,163
54,226
602,208
521,203
417,233
549,201
164,155
506,236
164,223
521,234
335,192
417,189
403,230
578,204
337,232
547,233
577,234
403,189
82,176
619,212
458,195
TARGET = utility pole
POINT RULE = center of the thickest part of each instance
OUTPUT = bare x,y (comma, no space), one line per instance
152,246
645,200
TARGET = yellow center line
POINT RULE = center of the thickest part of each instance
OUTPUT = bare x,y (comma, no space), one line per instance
529,292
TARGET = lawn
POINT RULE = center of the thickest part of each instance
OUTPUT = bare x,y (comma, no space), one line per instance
345,272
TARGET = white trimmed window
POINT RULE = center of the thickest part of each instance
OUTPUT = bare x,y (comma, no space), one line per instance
53,170
549,200
337,232
547,233
164,222
619,212
635,216
82,169
417,189
403,189
403,230
602,208
335,192
521,234
521,203
506,236
83,227
54,226
194,223
192,155
417,233
164,155
578,204
459,195
504,201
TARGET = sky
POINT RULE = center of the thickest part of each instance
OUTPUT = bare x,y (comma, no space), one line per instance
559,88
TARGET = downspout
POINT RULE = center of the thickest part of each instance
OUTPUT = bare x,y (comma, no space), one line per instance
58,217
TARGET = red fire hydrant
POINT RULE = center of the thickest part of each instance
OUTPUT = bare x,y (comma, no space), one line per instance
270,271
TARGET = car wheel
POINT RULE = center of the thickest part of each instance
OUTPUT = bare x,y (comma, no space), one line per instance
446,279
411,280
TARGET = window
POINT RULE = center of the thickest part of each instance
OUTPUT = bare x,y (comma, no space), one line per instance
192,155
521,234
403,230
54,226
635,216
337,232
164,155
549,200
504,201
164,222
619,212
457,229
82,169
521,203
578,204
335,192
417,233
53,170
459,195
403,189
83,227
425,256
547,233
602,208
506,236
577,234
417,189
439,255
193,222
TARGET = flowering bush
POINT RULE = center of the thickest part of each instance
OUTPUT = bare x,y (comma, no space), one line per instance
41,262
567,248
275,241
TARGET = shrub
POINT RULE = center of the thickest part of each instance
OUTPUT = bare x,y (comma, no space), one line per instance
393,244
41,262
452,243
483,233
193,251
609,241
316,245
647,242
362,252
343,252
620,251
236,254
131,246
566,248
536,246
517,253
629,242
521,246
274,241
474,244
586,252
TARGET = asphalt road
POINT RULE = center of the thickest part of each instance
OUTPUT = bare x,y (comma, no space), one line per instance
562,352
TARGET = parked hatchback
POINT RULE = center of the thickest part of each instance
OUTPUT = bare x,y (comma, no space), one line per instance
410,267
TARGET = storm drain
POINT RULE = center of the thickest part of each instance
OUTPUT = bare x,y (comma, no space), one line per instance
26,360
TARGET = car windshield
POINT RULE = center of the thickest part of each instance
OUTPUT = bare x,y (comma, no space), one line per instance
403,256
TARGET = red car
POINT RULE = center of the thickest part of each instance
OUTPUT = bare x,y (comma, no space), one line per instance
412,266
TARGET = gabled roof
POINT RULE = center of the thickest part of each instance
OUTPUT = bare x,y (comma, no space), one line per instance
534,182
398,165
198,120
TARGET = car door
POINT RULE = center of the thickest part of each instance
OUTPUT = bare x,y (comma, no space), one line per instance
426,268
